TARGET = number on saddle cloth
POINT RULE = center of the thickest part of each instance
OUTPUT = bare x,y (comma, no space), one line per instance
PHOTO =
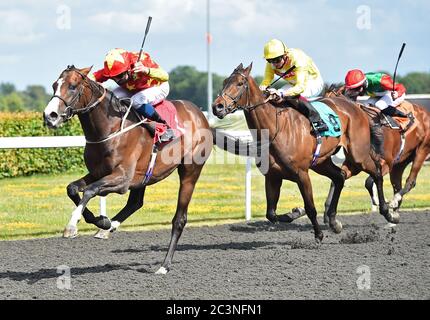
330,118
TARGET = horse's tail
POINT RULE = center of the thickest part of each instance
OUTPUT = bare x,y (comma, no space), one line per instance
235,145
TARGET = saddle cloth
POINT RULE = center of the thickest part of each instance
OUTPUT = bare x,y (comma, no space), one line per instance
330,118
167,111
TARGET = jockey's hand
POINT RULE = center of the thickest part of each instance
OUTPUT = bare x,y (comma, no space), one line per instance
263,88
394,95
275,95
139,67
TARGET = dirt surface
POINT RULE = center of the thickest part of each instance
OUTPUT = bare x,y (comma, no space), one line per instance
255,260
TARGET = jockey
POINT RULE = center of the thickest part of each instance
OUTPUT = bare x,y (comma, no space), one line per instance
379,86
143,81
304,79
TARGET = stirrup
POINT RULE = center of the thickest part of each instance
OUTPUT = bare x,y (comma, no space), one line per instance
319,126
168,135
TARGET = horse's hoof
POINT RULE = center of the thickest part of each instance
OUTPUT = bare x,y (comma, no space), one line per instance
392,217
337,227
162,270
285,218
395,217
272,218
326,219
103,222
394,204
102,234
319,237
70,232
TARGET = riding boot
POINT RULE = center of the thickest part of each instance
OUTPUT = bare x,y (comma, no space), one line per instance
394,112
377,137
148,111
312,114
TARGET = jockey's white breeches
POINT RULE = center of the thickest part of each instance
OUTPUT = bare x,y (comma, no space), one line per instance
314,88
386,100
151,95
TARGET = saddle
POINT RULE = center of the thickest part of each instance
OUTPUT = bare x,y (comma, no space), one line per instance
395,123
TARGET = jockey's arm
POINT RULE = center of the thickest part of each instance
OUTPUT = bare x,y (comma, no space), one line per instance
98,76
269,74
152,70
158,74
387,84
301,83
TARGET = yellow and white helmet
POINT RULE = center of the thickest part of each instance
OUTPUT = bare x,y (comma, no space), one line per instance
274,48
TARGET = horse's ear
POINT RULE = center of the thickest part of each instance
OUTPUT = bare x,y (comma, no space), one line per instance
85,71
248,69
239,67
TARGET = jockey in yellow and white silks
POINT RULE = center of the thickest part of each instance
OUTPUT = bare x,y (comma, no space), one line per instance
302,75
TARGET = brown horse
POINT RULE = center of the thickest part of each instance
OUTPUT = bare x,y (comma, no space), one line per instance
416,150
291,146
118,161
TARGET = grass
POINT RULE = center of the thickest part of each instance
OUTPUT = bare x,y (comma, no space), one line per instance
38,206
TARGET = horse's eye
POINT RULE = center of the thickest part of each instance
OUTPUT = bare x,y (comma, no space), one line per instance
72,87
240,84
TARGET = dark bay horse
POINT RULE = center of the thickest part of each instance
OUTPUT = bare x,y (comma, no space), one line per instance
416,150
292,146
120,163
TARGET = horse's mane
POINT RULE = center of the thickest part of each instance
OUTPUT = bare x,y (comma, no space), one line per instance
331,88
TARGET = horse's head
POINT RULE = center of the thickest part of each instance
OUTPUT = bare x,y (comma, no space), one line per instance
69,96
235,92
334,90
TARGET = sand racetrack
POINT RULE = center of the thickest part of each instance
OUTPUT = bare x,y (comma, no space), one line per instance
255,260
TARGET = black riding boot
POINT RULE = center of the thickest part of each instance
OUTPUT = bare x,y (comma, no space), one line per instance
169,134
377,137
394,112
306,108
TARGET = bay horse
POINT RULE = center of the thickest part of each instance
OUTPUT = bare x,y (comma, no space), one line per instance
416,149
120,163
291,147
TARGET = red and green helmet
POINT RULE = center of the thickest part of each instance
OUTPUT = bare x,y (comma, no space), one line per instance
116,62
354,79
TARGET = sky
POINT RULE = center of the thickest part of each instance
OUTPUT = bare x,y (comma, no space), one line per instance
38,39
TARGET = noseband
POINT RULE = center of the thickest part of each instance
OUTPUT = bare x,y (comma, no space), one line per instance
70,111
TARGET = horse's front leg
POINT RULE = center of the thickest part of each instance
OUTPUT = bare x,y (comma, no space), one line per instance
73,190
117,182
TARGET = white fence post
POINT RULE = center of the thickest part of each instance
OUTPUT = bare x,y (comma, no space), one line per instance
103,206
248,189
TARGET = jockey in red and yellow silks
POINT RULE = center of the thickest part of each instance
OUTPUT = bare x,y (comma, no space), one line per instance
303,79
144,81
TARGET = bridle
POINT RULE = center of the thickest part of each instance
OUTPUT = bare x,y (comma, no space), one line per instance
233,106
70,111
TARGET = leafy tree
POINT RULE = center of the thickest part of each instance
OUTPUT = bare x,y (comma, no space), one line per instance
7,88
416,82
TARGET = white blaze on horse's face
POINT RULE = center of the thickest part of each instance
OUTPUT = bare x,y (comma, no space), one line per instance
52,111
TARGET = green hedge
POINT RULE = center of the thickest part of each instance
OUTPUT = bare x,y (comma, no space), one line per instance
22,162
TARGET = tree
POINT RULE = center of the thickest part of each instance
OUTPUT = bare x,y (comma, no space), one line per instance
7,88
416,82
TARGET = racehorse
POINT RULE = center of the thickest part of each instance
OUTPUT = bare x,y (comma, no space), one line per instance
416,149
291,146
118,161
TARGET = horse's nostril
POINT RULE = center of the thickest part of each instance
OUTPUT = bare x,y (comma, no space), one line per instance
53,115
219,107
